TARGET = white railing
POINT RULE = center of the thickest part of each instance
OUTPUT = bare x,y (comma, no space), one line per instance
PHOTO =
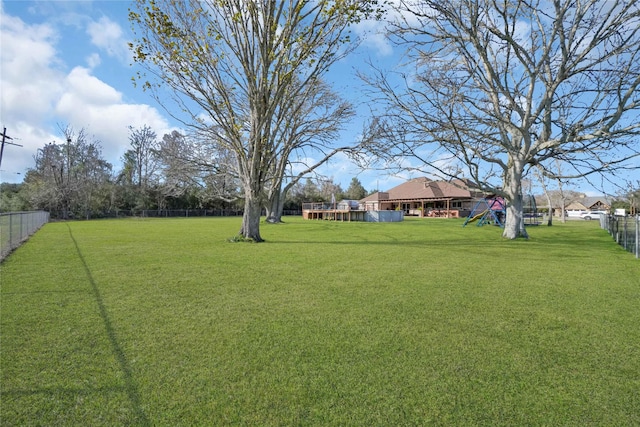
16,227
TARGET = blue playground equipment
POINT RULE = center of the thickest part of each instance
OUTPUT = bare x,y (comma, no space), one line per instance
490,210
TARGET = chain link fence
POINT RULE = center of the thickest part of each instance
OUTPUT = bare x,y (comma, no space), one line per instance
16,227
625,230
157,213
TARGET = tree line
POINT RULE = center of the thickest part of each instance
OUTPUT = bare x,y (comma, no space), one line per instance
71,179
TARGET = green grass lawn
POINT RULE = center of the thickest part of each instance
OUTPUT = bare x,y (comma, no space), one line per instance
164,323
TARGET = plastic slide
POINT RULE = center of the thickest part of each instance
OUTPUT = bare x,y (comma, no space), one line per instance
477,217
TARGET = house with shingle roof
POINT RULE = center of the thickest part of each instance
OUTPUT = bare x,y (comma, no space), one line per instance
584,204
426,198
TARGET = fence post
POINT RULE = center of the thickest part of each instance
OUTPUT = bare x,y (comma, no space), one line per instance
10,231
626,230
637,236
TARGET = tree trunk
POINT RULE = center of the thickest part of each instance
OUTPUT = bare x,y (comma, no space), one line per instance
251,217
550,210
275,206
563,214
514,223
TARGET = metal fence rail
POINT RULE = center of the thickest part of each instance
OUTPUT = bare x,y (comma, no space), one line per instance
625,230
16,227
159,213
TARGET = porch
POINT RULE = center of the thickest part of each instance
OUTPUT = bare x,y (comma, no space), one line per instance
426,208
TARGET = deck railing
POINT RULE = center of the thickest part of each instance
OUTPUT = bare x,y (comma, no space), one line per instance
16,227
321,206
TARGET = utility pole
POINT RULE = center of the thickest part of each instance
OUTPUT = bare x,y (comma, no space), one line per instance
5,139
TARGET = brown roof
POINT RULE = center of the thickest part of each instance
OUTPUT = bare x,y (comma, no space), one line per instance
424,188
601,202
378,195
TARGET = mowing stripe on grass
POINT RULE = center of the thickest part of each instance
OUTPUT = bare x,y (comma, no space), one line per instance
416,323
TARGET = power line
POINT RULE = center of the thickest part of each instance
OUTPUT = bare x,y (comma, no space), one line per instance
5,140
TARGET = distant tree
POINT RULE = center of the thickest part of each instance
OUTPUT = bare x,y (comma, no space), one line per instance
178,176
620,203
355,191
144,145
294,197
70,178
555,197
127,193
310,192
232,65
12,198
140,165
499,87
545,189
632,195
189,164
329,190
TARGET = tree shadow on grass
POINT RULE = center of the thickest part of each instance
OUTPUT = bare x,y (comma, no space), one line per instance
129,384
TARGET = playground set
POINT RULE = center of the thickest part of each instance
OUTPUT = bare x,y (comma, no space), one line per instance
492,210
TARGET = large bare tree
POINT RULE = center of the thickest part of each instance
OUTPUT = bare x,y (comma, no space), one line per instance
500,86
306,129
70,178
144,147
231,65
190,163
139,173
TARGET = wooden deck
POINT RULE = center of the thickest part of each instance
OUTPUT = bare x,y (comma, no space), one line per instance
334,214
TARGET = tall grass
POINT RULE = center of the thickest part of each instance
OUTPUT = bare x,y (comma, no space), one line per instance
163,322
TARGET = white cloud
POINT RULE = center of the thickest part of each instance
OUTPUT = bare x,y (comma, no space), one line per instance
93,60
29,74
88,89
30,79
38,96
90,103
372,34
16,160
107,35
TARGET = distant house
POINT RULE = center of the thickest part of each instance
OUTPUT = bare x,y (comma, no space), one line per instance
426,198
583,204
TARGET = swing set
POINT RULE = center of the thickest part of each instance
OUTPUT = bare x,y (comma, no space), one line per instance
492,210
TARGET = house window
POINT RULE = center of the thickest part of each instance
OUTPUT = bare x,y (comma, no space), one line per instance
456,204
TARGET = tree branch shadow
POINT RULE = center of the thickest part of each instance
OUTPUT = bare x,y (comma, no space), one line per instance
129,384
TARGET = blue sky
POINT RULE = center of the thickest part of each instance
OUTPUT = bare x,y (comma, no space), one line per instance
67,62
